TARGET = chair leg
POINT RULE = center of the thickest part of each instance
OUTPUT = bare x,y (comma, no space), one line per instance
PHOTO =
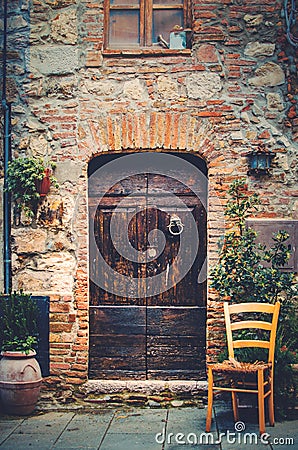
271,401
210,399
235,406
261,401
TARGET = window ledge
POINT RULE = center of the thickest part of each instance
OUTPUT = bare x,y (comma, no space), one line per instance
147,52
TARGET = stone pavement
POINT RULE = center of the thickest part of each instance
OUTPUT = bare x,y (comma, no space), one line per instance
142,429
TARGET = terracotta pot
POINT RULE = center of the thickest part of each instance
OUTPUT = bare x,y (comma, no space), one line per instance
20,382
43,186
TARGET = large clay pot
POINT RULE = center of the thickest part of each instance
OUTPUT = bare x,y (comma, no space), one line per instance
20,382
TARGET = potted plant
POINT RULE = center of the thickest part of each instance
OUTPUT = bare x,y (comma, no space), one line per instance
28,179
20,374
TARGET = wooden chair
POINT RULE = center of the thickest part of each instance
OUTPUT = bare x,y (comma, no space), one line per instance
236,371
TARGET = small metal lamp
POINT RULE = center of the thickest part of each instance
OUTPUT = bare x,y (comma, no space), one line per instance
260,161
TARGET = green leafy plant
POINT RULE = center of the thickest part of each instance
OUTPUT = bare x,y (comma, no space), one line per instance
250,272
22,177
247,271
286,355
19,316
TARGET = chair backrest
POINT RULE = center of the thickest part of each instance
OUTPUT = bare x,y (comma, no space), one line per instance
236,324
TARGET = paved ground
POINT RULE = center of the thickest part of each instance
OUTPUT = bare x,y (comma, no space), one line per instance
142,429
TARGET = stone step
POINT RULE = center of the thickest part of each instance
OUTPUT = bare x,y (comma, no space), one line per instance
96,394
152,393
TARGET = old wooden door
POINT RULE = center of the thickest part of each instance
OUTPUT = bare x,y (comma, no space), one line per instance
137,335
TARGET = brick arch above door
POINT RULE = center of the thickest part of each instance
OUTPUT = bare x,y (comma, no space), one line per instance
168,131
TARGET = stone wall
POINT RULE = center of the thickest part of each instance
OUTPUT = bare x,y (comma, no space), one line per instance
235,90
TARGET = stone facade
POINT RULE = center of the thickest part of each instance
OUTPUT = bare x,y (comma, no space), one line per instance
233,91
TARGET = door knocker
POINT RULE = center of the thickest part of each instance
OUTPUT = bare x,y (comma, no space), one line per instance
175,226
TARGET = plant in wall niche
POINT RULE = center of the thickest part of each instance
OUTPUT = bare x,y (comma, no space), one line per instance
250,272
29,179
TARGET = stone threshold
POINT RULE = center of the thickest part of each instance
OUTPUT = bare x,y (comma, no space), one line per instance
148,387
97,394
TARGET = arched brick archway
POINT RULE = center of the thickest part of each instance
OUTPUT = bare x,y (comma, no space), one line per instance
166,131
119,133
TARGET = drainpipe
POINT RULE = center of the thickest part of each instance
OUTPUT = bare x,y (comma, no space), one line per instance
6,157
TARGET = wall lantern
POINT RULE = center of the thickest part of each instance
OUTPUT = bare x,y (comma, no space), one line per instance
259,161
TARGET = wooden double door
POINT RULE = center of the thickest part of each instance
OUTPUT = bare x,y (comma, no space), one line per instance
147,320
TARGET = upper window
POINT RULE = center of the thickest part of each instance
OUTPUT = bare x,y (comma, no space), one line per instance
135,24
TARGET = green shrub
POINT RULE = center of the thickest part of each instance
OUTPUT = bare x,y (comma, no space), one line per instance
19,316
240,273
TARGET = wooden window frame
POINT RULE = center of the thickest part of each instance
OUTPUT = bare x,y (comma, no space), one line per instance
146,8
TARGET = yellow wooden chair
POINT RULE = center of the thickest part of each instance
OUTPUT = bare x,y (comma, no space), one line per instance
236,371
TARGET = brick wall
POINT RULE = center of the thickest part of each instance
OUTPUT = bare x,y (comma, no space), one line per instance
236,89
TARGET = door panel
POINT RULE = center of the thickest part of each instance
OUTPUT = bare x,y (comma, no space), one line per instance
187,291
117,342
175,342
139,336
107,248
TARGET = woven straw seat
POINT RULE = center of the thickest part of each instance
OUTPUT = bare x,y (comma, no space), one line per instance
236,377
243,367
